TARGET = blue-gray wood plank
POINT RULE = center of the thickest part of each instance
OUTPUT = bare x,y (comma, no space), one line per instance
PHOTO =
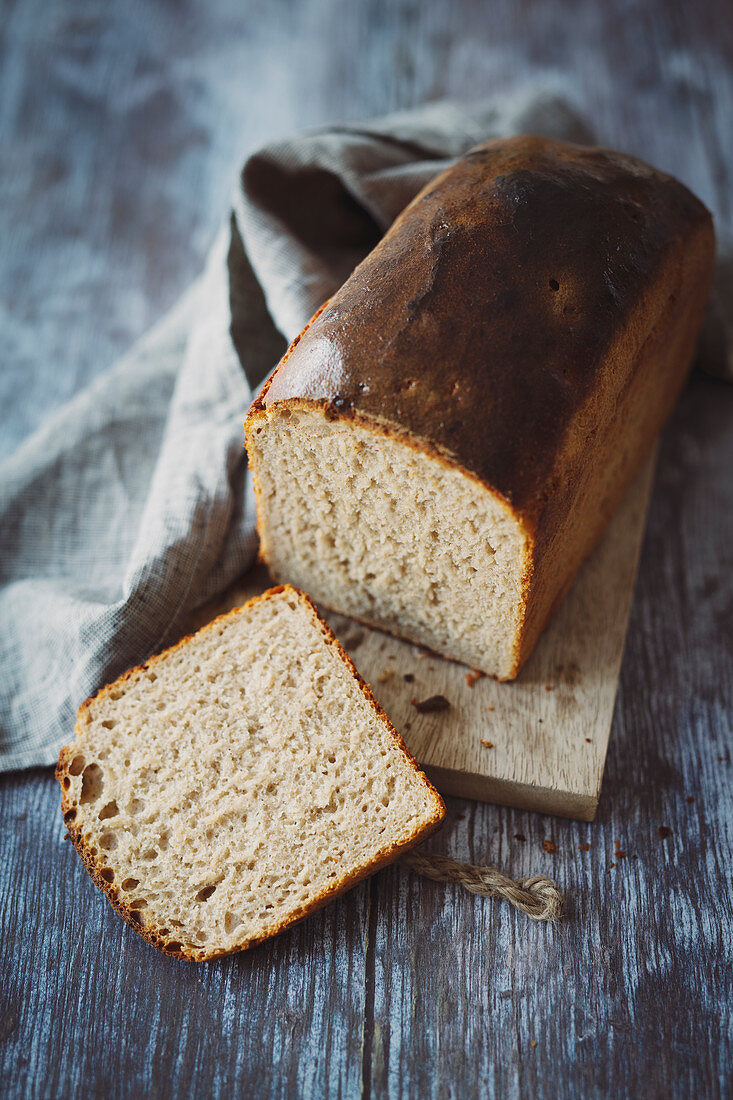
121,127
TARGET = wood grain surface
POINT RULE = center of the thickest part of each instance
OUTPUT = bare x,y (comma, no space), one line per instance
121,127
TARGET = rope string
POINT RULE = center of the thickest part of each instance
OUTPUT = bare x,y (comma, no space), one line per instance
536,896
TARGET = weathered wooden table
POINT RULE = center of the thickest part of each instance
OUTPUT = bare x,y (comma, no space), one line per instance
121,127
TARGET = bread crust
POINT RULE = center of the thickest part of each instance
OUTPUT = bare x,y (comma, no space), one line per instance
169,945
452,332
503,327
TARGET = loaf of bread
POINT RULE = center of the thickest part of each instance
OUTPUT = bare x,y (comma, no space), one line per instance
239,781
445,442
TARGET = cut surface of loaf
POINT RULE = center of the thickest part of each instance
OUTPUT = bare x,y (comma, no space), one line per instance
397,538
239,781
445,442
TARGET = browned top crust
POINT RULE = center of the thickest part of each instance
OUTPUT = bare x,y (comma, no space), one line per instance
478,325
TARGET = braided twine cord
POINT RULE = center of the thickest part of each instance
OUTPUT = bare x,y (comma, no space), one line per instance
536,896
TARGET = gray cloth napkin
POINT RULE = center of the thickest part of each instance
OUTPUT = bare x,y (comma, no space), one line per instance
130,508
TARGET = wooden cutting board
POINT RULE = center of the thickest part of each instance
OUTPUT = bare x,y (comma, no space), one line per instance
538,743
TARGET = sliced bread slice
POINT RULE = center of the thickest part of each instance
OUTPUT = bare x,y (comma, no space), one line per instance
239,781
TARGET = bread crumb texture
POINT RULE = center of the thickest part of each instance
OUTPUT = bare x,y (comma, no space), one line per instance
434,557
239,781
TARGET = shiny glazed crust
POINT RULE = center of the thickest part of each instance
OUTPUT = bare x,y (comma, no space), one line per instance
168,945
530,319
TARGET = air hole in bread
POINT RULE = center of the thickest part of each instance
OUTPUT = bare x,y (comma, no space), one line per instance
108,841
76,767
205,893
110,810
150,854
553,284
107,874
136,806
231,921
92,783
138,903
108,724
70,816
172,947
66,782
130,884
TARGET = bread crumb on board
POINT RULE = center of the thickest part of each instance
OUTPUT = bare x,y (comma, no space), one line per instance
433,704
487,744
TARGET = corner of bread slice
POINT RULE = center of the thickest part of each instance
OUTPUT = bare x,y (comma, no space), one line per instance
375,526
239,781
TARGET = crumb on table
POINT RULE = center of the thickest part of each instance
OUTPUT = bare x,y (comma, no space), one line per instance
431,705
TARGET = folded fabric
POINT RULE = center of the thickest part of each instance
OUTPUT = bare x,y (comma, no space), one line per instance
129,508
